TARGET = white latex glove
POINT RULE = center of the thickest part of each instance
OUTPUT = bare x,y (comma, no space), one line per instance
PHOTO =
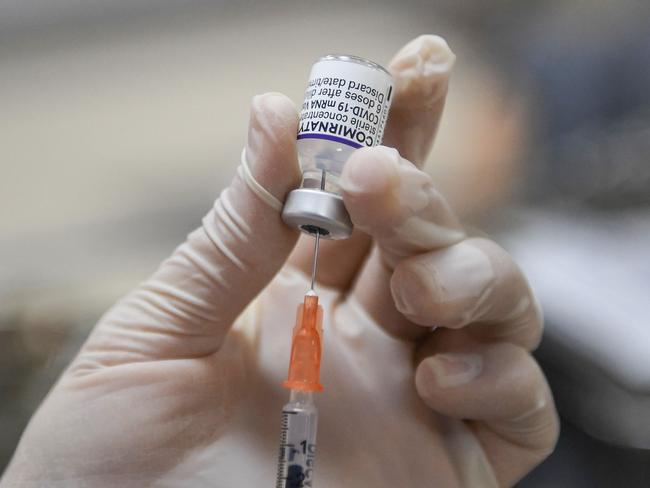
166,393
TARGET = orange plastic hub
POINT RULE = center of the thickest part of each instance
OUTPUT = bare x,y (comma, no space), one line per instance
304,366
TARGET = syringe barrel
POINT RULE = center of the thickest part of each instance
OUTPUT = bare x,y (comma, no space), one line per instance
297,441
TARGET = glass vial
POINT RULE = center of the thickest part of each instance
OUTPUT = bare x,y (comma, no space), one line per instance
346,106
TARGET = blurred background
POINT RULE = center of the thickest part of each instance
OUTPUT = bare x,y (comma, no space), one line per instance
120,121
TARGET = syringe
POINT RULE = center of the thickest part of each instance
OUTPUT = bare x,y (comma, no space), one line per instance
299,416
297,441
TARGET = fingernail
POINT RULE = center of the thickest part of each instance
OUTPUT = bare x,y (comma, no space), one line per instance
449,370
370,171
426,55
460,272
260,126
401,296
422,59
463,271
414,189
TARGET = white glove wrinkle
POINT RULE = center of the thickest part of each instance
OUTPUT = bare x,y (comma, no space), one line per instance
266,196
215,236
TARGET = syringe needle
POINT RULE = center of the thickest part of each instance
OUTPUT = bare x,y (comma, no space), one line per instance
314,266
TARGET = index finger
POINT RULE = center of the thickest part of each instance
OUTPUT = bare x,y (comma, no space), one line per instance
421,71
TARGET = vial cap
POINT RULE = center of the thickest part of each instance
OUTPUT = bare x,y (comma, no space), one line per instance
312,210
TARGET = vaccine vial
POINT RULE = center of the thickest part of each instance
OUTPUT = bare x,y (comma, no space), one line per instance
345,108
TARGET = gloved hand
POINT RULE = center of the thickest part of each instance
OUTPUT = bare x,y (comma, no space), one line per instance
166,392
